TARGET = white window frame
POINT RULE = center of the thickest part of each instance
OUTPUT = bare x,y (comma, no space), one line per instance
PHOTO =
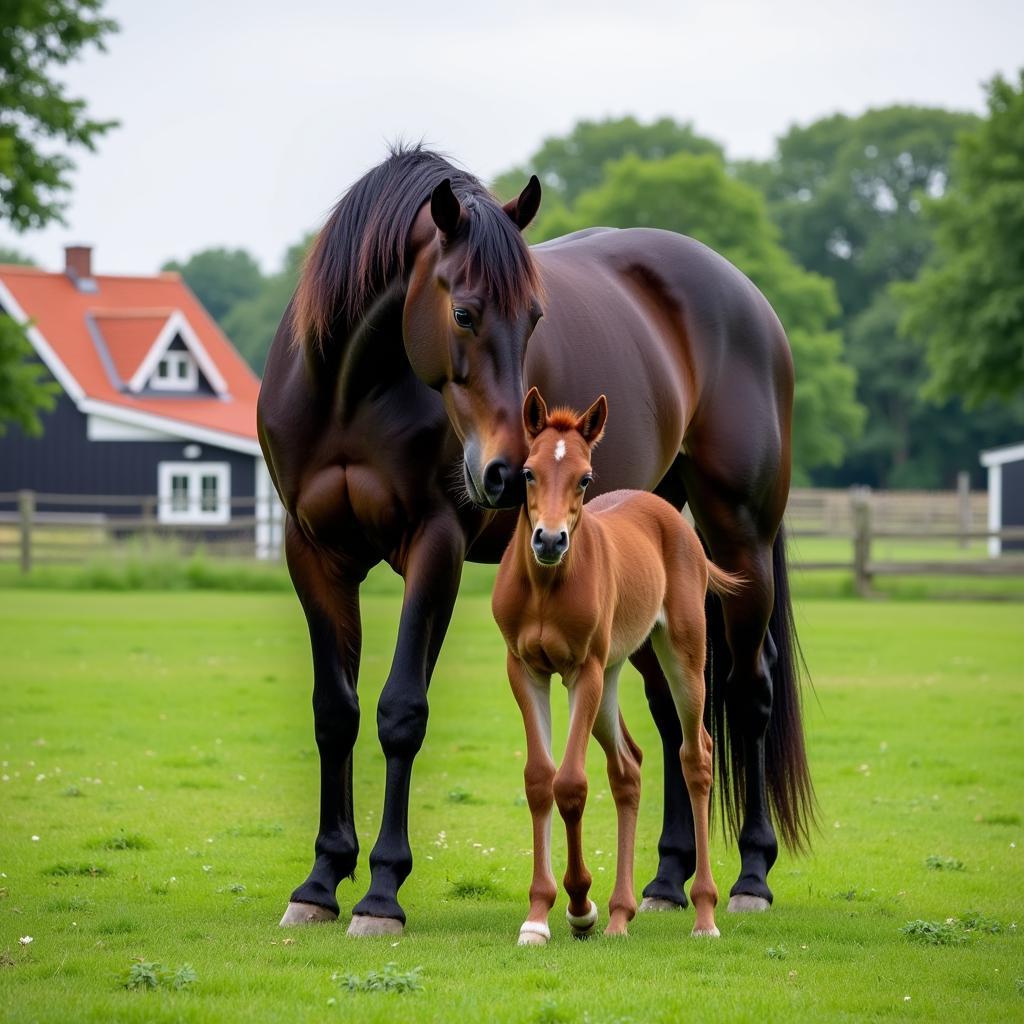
174,381
194,471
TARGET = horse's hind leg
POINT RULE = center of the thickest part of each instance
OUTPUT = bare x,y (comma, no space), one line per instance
680,647
330,598
624,759
677,855
432,569
534,699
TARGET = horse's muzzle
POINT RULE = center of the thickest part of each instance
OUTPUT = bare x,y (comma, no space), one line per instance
500,488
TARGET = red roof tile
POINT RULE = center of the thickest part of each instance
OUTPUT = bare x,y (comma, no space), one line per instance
128,311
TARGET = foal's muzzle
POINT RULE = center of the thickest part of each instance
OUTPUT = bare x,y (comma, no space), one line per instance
549,546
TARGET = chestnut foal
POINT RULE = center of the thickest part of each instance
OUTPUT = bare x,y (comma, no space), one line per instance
579,589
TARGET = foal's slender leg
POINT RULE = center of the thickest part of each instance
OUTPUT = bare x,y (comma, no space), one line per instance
571,792
329,593
534,699
432,569
624,759
680,649
677,855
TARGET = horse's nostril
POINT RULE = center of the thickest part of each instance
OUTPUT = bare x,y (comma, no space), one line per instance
538,535
563,538
495,475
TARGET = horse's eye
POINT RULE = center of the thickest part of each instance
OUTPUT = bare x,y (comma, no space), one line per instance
463,318
528,476
586,481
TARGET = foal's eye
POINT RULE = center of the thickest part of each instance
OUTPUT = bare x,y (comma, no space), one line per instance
586,481
463,318
528,476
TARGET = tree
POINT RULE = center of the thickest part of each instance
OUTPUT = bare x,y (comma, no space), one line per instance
35,110
252,323
14,257
221,278
969,302
569,165
848,192
37,36
695,195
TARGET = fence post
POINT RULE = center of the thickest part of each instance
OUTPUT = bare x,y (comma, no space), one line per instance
963,506
861,507
26,513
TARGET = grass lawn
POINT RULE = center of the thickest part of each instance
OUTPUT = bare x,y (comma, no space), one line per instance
159,797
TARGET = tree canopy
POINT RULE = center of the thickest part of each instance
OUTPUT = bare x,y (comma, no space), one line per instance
38,120
221,278
968,304
694,194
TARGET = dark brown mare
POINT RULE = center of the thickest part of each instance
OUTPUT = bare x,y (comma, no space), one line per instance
394,388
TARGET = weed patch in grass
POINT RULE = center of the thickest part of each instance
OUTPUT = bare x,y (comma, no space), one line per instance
122,841
147,975
458,795
937,863
473,889
1000,819
776,952
67,870
388,979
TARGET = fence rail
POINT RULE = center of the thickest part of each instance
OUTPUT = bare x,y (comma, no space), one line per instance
49,529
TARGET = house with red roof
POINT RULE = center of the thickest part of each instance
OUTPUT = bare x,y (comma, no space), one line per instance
155,400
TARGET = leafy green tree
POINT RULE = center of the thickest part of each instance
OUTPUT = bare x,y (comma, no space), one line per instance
37,37
252,323
14,257
221,278
969,302
569,165
848,194
695,195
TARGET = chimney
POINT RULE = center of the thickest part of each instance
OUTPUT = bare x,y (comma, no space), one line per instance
78,266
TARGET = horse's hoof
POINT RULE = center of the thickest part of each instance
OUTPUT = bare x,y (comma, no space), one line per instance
656,903
534,933
742,903
364,924
584,925
306,913
706,933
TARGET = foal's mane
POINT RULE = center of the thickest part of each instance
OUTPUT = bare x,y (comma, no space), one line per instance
363,246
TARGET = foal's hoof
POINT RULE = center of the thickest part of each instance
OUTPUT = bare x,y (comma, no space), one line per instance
742,903
583,926
364,924
706,933
656,903
534,933
306,913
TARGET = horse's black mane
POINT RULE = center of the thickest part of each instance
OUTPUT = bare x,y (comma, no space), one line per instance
362,247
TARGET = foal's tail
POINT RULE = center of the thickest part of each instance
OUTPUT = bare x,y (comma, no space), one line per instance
788,778
722,582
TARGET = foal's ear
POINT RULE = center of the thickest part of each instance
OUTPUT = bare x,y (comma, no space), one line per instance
445,208
591,423
524,209
535,414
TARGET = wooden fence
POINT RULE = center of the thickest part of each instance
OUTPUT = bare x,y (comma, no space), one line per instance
39,529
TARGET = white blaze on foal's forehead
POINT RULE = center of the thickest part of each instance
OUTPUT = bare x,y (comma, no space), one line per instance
560,451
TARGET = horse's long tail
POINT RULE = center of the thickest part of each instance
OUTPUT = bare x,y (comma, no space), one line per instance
722,582
788,779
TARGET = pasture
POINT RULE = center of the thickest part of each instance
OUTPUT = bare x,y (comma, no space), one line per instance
159,791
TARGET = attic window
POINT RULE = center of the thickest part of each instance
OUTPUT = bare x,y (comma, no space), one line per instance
176,371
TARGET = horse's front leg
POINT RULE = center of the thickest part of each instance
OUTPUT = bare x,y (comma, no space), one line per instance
570,788
329,593
533,696
432,569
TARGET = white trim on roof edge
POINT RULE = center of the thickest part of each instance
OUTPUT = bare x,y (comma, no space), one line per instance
177,325
179,428
998,456
49,357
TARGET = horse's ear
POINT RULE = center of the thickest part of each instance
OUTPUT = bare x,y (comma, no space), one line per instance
524,209
445,208
591,423
535,414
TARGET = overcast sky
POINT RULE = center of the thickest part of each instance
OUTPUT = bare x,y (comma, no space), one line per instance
243,120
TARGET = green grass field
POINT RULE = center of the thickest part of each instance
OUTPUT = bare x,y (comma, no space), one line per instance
159,792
